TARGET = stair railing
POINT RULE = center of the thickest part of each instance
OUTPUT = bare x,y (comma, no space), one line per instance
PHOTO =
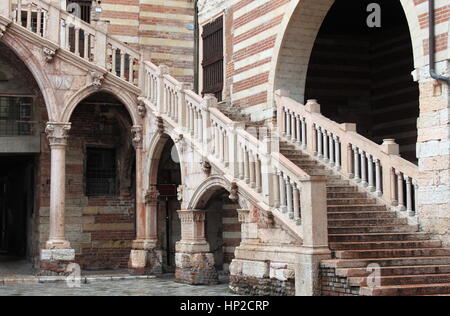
268,179
90,42
379,169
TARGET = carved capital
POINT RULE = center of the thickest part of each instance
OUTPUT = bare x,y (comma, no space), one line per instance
57,133
160,125
136,131
97,79
244,216
152,195
192,216
49,54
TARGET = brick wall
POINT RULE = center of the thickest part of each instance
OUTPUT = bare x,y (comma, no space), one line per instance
332,285
162,28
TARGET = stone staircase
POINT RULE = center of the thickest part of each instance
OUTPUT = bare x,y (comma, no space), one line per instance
363,232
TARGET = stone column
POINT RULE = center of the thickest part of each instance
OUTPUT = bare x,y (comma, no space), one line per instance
145,257
194,260
57,253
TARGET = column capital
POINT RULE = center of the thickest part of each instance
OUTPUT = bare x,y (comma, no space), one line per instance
152,195
137,136
192,216
57,133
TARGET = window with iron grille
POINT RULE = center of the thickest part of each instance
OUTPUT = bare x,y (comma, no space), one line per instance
100,172
213,58
16,115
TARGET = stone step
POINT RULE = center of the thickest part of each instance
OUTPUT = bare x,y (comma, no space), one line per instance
394,271
386,262
356,208
352,201
385,245
372,229
334,182
366,222
392,253
406,290
346,195
377,237
400,280
361,215
335,188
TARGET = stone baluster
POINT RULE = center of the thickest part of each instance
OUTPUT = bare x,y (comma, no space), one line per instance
299,130
356,164
326,156
114,61
246,166
283,202
241,163
252,170
409,197
401,194
216,141
303,122
276,188
416,197
331,151
221,145
191,122
363,168
297,210
77,41
86,46
319,142
226,149
350,162
131,69
122,64
337,153
370,173
29,16
19,12
288,124
67,36
378,180
290,206
258,175
294,133
39,22
394,192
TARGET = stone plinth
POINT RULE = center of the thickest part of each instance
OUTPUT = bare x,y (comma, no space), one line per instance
54,262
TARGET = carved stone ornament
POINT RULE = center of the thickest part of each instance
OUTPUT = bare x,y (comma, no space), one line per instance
234,192
179,138
206,167
141,109
137,139
2,30
49,54
160,124
180,191
57,133
97,79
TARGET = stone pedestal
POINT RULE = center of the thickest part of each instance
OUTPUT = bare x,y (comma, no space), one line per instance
307,271
54,262
194,260
145,258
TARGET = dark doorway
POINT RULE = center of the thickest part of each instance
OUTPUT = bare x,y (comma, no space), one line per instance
363,75
16,204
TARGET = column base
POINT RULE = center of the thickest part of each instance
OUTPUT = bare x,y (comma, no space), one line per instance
55,262
145,261
57,244
195,264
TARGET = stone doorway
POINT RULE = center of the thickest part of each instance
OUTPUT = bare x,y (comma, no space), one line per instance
16,205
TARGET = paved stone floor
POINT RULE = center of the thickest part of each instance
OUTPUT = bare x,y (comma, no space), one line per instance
163,286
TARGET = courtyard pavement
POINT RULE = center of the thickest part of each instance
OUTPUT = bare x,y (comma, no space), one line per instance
162,286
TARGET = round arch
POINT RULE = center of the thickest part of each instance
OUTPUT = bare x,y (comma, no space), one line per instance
156,148
208,188
306,17
37,70
127,100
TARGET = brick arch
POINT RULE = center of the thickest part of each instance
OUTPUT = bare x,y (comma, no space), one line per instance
305,17
208,188
128,100
38,72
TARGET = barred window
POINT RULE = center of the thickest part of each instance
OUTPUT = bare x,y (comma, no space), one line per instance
16,116
100,172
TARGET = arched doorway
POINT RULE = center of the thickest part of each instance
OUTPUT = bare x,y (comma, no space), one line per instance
211,232
168,181
101,183
359,74
22,117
